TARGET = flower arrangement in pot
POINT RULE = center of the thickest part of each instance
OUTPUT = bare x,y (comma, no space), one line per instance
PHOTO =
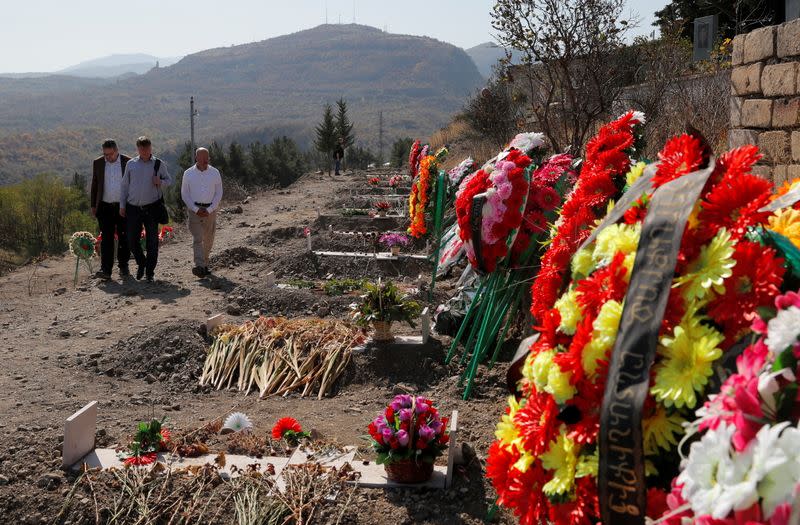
382,207
383,304
150,439
395,181
408,437
394,241
374,181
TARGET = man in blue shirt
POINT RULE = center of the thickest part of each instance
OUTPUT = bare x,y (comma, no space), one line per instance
140,191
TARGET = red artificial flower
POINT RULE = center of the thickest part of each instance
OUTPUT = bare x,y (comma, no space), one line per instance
284,425
606,284
733,204
755,282
144,459
586,429
546,198
537,422
656,503
525,496
499,464
681,155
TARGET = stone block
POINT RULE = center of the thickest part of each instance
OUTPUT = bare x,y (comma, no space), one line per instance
79,432
213,322
425,324
796,146
759,45
742,137
737,52
736,111
779,80
779,174
757,113
765,172
786,112
788,37
793,172
775,146
746,80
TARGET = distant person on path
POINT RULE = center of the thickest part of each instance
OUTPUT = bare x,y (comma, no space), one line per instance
106,186
142,182
201,191
338,155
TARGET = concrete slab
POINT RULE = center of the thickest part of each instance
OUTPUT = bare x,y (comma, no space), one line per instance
79,432
425,324
373,476
451,449
382,256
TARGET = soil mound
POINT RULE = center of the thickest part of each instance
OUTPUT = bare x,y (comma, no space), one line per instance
310,266
235,256
289,302
172,354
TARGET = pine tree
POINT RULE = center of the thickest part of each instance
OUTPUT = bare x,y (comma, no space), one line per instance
326,139
344,128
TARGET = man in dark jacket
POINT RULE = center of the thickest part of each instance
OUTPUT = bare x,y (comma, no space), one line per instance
106,180
338,155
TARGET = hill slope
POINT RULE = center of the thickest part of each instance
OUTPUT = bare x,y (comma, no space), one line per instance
487,55
55,123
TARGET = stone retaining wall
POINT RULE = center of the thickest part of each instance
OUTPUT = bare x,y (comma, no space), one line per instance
765,98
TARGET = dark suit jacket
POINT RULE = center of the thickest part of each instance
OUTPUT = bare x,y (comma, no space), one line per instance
99,175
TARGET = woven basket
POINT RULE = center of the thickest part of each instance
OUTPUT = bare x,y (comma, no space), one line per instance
408,471
383,331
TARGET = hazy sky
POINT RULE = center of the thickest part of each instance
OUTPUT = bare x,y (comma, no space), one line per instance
48,35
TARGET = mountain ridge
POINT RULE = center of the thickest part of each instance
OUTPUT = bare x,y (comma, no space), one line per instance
417,82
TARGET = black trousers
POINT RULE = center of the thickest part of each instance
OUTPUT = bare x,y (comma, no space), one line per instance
112,224
138,217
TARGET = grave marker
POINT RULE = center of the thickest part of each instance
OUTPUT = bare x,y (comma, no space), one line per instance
79,432
705,33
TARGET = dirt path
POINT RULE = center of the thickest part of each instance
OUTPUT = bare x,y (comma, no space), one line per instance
55,343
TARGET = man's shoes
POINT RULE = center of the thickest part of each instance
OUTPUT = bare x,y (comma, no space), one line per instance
197,271
206,271
140,273
103,276
150,278
124,273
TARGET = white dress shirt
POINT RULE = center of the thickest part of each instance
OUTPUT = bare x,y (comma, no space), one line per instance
202,186
112,181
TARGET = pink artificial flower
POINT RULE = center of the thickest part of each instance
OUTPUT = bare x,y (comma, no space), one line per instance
783,302
747,414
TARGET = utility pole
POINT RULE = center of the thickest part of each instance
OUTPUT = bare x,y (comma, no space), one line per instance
192,114
380,137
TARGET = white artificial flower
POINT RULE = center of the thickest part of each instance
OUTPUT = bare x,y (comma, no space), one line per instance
639,115
783,329
237,422
699,477
768,386
527,141
777,485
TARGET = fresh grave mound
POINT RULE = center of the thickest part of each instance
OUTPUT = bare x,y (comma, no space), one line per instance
418,366
289,302
172,354
235,256
310,266
362,223
277,356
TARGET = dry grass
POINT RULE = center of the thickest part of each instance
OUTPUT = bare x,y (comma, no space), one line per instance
463,142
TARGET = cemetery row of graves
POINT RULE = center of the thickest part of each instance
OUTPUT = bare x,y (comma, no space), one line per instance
639,315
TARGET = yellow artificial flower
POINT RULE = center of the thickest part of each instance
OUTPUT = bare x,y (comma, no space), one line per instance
558,384
536,368
709,270
524,461
787,223
562,459
687,362
604,334
634,173
616,238
567,306
661,431
588,464
582,264
506,431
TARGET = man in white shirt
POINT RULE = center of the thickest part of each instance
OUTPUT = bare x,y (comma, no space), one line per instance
106,179
201,191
